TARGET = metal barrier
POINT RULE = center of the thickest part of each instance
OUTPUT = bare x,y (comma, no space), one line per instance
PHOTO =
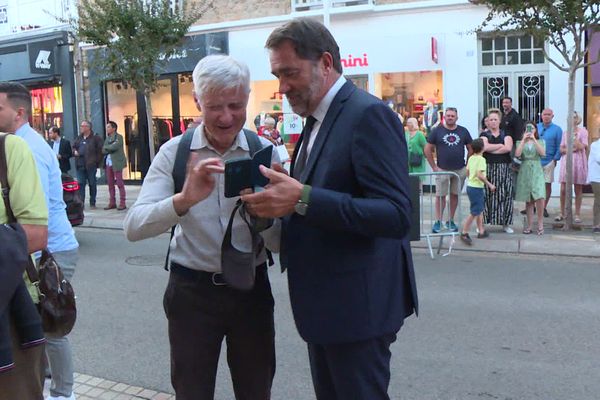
427,214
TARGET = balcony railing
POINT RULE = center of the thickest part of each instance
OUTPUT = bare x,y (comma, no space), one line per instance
304,5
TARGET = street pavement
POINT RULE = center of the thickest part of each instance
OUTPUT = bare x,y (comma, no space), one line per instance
491,326
99,378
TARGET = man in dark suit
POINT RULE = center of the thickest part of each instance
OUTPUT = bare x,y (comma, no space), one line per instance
346,213
61,147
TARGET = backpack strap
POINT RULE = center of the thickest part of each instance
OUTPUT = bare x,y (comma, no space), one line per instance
178,173
254,143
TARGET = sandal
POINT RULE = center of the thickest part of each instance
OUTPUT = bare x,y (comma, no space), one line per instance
559,218
577,219
540,232
527,231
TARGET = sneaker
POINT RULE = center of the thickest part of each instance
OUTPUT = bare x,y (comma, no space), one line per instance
451,226
466,238
507,229
71,397
483,235
437,227
546,215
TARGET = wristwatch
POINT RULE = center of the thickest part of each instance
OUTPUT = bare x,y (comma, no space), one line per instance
302,205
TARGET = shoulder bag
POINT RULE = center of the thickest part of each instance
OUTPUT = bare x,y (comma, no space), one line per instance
57,298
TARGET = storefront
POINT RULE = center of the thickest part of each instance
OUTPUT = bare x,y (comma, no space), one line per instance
173,106
44,64
406,84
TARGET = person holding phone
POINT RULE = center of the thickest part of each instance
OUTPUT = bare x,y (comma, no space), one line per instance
531,187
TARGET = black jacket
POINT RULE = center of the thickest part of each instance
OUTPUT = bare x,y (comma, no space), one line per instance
65,152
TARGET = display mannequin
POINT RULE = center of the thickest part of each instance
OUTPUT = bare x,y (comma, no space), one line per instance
430,117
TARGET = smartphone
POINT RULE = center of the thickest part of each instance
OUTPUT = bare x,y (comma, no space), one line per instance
529,128
244,173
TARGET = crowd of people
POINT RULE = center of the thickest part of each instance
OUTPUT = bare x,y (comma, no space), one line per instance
520,161
342,213
339,219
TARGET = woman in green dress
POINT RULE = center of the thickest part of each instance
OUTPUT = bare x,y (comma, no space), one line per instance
415,139
531,186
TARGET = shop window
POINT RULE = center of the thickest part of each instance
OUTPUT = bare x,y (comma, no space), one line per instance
46,108
410,93
187,107
512,50
122,109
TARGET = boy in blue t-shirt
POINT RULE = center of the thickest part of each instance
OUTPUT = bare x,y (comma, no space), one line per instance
476,170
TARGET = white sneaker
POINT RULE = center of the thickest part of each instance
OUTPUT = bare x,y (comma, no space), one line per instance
507,229
71,397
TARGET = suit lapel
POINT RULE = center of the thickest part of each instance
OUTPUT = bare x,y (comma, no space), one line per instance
334,109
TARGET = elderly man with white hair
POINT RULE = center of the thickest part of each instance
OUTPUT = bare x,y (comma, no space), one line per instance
201,308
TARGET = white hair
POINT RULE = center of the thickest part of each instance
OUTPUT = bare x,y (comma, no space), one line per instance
215,73
413,121
270,121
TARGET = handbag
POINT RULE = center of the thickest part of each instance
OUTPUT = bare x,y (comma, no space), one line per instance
57,298
415,159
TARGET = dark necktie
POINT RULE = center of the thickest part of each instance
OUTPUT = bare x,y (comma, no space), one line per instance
303,155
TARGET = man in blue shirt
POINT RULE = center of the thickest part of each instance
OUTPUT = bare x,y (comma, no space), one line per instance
61,237
552,136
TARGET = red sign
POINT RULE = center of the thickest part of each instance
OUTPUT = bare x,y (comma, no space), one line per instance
434,50
351,61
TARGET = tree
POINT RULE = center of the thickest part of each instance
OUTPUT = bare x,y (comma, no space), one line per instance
136,37
564,24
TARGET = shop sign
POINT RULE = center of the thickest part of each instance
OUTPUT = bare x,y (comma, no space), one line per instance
434,50
41,57
351,61
193,49
292,124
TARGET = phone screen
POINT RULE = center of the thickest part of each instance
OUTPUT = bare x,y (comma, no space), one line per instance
529,128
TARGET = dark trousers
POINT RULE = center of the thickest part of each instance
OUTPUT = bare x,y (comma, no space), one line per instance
352,371
87,175
202,314
24,381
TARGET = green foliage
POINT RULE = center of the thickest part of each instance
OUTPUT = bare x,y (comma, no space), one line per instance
135,36
554,21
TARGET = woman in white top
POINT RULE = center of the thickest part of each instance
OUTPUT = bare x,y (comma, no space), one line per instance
594,179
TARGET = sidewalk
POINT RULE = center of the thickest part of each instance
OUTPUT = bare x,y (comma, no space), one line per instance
576,243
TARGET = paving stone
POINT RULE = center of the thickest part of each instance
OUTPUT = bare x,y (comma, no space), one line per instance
123,396
110,395
94,381
133,390
83,389
146,394
95,392
120,387
82,378
106,384
161,396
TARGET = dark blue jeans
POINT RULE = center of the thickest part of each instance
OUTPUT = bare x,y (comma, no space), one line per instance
87,175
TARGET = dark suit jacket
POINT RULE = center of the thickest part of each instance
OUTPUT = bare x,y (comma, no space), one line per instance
65,152
349,261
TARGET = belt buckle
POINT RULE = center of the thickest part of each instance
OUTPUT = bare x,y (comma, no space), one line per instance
219,281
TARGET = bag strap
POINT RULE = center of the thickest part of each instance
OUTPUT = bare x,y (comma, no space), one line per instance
4,180
32,272
178,173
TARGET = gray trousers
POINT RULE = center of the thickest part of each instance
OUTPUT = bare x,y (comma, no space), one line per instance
58,348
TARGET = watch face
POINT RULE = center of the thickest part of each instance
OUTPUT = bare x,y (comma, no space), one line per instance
301,208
